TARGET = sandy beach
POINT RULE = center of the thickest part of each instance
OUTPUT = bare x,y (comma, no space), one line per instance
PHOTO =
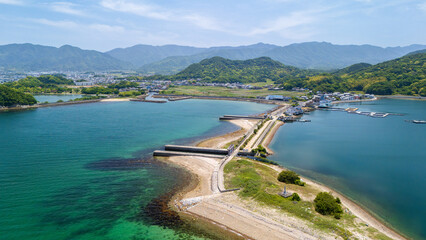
247,217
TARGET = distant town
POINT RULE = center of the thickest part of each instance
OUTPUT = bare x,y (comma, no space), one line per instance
155,86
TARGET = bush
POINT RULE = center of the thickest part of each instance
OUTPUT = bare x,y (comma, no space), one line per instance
326,204
260,149
130,93
337,215
295,197
299,182
265,160
290,177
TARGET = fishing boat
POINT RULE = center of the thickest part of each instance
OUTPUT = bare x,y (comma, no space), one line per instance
417,121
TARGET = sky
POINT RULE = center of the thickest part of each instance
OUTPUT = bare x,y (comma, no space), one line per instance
107,24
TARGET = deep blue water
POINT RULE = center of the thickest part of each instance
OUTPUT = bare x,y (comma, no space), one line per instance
85,171
378,162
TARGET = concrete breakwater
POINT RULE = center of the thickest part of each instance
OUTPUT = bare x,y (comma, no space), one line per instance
195,149
232,117
179,150
43,105
264,101
145,100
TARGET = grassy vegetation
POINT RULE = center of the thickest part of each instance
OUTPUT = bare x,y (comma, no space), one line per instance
376,234
262,84
236,142
259,182
130,93
85,98
225,92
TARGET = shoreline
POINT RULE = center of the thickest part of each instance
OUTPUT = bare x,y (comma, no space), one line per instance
184,97
362,211
201,189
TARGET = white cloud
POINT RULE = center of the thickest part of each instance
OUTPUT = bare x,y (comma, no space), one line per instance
202,22
65,7
11,2
106,28
76,26
159,13
422,7
60,24
282,23
140,9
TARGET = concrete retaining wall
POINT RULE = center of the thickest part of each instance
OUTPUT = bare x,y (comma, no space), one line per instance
161,153
195,149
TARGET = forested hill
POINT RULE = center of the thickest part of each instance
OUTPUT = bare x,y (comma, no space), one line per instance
42,84
308,55
353,68
405,75
218,69
11,97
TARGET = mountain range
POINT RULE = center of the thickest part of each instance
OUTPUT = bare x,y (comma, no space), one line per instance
29,57
405,75
169,59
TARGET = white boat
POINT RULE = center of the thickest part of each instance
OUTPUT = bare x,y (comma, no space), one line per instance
419,121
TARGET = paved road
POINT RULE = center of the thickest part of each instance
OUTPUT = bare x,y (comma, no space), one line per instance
218,184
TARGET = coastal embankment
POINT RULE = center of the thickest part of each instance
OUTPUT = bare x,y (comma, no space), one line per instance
402,97
249,218
44,105
181,97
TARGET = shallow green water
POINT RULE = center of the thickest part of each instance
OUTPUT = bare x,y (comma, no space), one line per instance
380,163
55,98
84,171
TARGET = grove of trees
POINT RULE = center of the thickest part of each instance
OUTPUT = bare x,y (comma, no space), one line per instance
10,97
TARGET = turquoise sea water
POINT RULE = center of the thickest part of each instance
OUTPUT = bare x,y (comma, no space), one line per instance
379,162
55,98
85,172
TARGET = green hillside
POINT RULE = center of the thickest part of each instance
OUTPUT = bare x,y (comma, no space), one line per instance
219,69
29,57
406,75
42,84
353,68
10,97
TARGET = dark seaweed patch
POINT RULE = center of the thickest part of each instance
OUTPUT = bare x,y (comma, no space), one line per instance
119,164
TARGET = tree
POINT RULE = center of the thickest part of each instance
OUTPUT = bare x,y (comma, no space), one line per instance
295,197
338,200
422,92
326,204
289,177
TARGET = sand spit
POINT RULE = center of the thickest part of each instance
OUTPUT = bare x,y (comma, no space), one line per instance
247,217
